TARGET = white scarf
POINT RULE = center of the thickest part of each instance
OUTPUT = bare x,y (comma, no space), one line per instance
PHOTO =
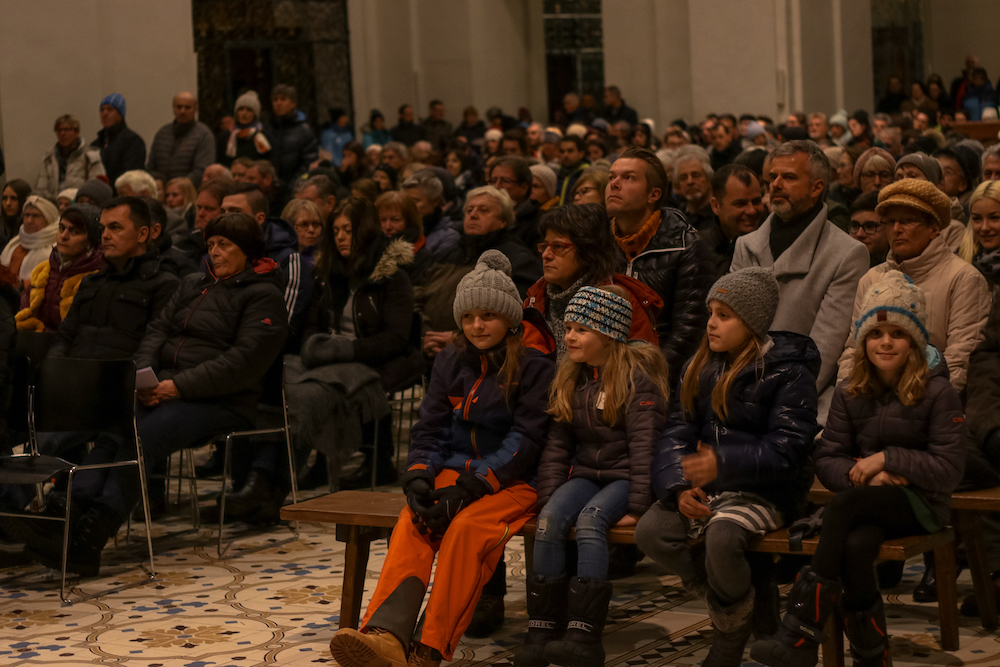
38,245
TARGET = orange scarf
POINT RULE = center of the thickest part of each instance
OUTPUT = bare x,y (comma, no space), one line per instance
636,243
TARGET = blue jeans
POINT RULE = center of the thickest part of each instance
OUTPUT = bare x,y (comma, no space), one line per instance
594,509
163,430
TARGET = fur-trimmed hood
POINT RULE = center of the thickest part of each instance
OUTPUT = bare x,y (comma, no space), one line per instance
396,254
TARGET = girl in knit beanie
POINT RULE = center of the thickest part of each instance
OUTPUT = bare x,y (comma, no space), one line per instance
609,403
892,451
472,453
731,464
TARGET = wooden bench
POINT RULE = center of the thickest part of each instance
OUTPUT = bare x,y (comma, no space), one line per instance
966,508
363,516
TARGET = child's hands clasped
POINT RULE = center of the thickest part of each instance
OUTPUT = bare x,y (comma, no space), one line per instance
888,479
865,469
693,503
701,468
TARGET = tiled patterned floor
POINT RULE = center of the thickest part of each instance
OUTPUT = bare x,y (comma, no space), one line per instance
281,605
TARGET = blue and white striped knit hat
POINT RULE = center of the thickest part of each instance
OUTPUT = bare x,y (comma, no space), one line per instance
894,300
604,312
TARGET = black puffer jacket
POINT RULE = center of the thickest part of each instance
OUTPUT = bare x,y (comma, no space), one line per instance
982,408
112,308
589,448
677,264
216,339
121,150
293,145
383,316
922,442
764,445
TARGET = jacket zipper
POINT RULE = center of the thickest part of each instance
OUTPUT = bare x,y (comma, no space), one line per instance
475,448
472,392
187,319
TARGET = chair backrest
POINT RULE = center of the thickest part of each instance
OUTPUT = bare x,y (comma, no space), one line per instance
34,345
85,395
20,381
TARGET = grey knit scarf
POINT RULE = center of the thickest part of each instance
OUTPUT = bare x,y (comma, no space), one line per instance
557,310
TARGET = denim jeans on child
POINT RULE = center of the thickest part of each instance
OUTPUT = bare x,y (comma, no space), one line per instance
594,508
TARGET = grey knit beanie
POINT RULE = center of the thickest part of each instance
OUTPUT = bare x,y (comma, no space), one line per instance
925,163
248,100
489,287
604,312
752,293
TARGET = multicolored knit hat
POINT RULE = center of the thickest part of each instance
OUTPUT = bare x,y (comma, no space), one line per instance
602,311
894,300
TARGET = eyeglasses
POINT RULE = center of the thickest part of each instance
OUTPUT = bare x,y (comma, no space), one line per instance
584,191
558,249
884,175
869,227
905,224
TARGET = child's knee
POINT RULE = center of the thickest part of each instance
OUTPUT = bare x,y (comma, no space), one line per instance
725,537
593,520
551,527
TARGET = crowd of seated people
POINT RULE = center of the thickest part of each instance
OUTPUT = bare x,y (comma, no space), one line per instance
614,324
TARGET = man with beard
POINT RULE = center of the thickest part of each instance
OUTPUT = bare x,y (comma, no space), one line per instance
738,207
817,265
693,182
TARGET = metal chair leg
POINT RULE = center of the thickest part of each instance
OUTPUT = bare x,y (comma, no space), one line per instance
193,491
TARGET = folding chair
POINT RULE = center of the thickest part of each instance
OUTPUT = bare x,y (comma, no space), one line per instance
78,395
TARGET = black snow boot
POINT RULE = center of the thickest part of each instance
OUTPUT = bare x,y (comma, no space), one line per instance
867,633
546,618
587,611
732,626
810,602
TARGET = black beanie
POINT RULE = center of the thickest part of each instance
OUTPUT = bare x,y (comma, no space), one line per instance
862,117
242,230
90,216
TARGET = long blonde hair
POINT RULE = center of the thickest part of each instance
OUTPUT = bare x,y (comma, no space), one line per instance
752,350
625,361
864,381
970,246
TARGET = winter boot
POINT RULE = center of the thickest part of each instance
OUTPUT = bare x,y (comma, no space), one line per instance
587,611
547,618
926,590
423,656
867,634
87,539
810,603
732,627
374,648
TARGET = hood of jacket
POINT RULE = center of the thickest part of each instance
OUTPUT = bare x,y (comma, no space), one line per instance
795,348
279,235
396,254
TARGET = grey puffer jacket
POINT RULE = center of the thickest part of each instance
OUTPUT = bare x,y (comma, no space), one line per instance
589,448
922,442
182,151
83,164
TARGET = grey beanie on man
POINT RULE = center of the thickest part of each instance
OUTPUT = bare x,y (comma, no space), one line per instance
752,293
925,163
489,287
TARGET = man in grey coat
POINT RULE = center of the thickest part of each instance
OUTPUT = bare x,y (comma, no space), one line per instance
184,147
817,265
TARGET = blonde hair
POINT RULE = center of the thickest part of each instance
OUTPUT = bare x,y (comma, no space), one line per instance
970,246
290,213
596,176
625,361
864,381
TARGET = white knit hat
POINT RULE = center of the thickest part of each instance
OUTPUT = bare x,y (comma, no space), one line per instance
248,100
547,177
895,300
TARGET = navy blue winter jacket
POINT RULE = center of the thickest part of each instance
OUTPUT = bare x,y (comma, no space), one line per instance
466,424
764,445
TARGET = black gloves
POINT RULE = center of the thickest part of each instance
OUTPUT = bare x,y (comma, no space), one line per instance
450,500
417,485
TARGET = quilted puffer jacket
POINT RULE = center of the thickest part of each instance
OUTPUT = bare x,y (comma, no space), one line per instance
589,448
764,445
293,145
216,339
983,391
466,424
677,264
922,442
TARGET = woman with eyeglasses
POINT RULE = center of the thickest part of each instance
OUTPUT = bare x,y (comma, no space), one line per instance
578,250
590,187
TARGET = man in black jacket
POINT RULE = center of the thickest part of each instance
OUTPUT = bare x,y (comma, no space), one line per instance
406,131
513,176
660,248
121,149
615,108
293,143
110,311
